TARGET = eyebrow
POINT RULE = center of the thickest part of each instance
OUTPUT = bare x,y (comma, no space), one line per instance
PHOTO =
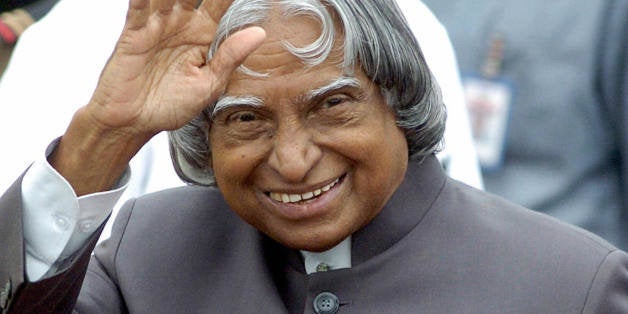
226,102
337,84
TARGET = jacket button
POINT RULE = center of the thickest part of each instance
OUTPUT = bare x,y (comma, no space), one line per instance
5,293
326,303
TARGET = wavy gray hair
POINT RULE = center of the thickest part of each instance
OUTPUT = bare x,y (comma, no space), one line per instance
377,38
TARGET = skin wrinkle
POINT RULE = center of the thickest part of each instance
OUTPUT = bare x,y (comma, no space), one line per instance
384,48
227,102
338,84
313,145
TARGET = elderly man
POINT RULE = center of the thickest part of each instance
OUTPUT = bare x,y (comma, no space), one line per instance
80,53
315,125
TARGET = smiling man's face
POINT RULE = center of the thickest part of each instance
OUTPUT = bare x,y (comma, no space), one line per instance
306,155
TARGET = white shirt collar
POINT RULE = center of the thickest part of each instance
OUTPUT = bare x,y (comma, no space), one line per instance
336,258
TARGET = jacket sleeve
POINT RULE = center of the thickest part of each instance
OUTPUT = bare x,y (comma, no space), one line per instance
56,294
12,273
101,291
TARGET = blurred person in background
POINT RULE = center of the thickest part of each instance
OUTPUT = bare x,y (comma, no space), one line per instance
58,60
547,87
52,72
15,17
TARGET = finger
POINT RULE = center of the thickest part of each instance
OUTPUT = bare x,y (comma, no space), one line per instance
189,4
215,8
233,51
162,6
138,13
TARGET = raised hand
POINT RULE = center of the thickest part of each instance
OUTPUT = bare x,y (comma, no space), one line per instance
157,79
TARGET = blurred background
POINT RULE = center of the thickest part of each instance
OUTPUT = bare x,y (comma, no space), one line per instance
15,17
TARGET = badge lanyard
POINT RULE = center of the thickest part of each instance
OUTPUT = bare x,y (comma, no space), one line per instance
489,100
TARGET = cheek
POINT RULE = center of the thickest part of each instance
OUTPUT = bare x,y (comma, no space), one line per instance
233,163
377,145
383,163
233,170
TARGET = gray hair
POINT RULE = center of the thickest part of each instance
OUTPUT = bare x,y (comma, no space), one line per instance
377,38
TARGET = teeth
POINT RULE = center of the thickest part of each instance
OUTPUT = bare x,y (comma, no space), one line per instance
307,195
294,198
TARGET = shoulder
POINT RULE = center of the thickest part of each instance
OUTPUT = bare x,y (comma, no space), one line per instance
190,197
171,228
528,230
174,222
179,208
184,239
555,262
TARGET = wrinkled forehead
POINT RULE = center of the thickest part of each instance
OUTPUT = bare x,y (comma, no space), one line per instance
308,94
307,29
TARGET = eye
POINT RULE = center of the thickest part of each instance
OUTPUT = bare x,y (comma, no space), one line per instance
334,101
242,116
242,124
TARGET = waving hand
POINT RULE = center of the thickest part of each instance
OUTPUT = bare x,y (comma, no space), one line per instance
157,79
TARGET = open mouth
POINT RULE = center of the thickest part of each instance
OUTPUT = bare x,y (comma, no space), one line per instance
303,197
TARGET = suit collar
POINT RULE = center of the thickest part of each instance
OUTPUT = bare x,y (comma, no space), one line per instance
411,201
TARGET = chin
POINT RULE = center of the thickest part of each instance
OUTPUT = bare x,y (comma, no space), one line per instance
311,242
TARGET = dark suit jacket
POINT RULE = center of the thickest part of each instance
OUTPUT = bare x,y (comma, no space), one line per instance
437,247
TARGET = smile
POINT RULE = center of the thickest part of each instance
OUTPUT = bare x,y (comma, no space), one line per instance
295,198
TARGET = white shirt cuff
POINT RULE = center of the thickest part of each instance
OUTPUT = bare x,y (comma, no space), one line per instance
55,220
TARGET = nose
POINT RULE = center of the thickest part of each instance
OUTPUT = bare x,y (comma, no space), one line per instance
294,153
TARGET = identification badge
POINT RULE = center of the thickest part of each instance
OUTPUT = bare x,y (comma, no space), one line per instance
489,104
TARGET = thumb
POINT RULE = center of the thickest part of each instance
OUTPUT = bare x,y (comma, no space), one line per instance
233,51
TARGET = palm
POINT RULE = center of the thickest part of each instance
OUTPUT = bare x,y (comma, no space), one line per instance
157,78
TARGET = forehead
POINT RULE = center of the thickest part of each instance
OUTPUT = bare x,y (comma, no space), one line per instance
290,81
277,64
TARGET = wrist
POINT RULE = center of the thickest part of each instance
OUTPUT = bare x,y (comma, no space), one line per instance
92,156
